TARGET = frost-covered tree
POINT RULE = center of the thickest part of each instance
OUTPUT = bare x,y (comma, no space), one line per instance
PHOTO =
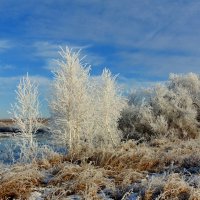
25,112
71,101
84,109
109,105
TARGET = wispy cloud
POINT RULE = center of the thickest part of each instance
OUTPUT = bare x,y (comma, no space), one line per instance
129,23
156,66
9,84
143,41
46,49
49,52
5,45
6,67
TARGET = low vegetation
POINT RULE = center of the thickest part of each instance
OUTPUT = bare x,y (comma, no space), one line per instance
145,146
161,169
171,109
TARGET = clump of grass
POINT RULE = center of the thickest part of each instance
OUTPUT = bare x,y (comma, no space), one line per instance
54,159
171,186
85,180
176,187
18,181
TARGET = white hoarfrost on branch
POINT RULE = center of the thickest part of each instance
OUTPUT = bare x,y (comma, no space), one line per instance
173,109
109,105
25,111
25,114
70,104
84,109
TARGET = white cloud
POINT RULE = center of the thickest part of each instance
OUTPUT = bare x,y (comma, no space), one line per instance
93,59
147,27
8,84
129,23
145,66
6,67
5,45
150,28
46,49
49,52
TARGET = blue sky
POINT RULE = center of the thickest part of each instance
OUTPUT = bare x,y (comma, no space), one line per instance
142,40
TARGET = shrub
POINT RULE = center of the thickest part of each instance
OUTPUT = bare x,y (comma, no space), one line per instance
170,109
137,115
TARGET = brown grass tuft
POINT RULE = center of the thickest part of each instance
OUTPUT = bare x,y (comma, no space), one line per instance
19,181
86,180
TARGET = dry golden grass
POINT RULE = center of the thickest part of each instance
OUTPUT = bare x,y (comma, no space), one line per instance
175,188
88,172
86,180
18,181
140,157
54,160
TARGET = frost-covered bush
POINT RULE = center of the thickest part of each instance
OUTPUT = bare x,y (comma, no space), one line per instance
170,109
191,83
84,109
176,106
134,117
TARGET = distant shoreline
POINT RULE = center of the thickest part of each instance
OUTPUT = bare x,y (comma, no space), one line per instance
8,122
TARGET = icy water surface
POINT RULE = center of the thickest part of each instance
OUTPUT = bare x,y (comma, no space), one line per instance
10,151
